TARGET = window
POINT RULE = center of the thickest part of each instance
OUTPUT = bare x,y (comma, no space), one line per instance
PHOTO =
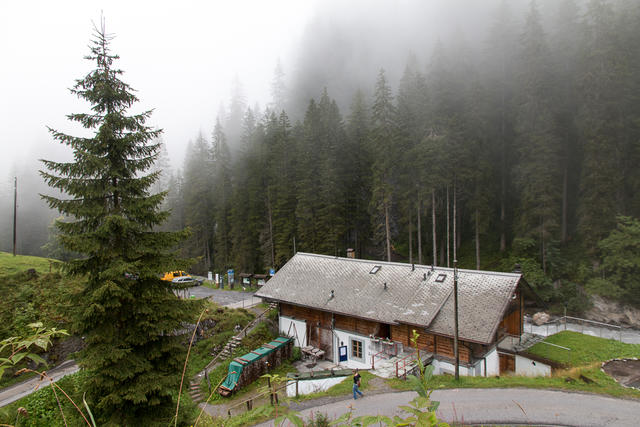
375,269
441,278
357,349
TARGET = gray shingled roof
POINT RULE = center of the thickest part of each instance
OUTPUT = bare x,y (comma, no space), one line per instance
307,280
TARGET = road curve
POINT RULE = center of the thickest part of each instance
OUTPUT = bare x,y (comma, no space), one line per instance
25,388
501,406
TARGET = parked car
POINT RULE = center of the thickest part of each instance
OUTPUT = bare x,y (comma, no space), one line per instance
183,280
171,275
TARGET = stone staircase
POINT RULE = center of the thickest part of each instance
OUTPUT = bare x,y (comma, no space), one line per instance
517,344
194,391
228,349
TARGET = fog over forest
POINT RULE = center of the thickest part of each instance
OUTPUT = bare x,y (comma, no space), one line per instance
341,47
488,131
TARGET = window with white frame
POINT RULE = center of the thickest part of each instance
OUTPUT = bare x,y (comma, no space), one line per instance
357,349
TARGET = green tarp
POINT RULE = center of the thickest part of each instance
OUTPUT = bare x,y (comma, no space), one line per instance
235,368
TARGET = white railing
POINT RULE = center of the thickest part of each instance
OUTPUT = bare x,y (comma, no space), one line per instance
576,324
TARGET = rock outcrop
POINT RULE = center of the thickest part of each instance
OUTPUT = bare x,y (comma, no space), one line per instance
608,311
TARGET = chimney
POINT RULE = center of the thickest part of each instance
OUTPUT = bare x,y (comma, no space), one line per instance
351,253
517,268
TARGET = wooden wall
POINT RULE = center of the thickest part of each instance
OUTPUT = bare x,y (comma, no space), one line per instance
444,347
429,342
360,326
318,320
346,323
512,321
310,315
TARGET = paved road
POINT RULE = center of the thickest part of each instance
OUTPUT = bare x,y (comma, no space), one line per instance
25,388
501,406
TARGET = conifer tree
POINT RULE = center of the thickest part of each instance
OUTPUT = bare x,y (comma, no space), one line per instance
383,139
221,159
247,211
500,82
278,89
602,125
281,193
358,179
126,314
539,168
199,203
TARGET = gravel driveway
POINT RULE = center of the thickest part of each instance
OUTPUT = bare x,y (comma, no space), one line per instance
221,297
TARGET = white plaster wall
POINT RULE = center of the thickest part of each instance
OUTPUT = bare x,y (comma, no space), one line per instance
286,327
531,368
342,336
493,363
313,386
441,367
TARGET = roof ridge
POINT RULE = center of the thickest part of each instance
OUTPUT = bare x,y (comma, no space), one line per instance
411,265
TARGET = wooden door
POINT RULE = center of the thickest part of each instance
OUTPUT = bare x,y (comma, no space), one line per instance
507,363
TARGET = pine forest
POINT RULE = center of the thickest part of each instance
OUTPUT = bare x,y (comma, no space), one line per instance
525,152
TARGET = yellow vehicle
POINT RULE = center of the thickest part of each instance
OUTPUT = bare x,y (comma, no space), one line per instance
174,274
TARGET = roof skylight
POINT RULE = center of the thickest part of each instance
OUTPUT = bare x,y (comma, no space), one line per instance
441,278
375,269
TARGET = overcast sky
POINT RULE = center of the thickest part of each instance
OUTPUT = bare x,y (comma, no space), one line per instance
181,57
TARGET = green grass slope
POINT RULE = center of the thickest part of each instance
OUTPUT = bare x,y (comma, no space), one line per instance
585,349
10,264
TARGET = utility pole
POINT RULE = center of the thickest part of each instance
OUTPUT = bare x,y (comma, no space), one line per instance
455,311
15,211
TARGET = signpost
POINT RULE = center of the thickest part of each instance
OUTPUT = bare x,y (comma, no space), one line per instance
230,277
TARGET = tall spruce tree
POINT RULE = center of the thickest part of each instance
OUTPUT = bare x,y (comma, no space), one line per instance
383,142
221,160
132,354
539,170
358,179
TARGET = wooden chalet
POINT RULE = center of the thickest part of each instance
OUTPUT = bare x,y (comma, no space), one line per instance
354,310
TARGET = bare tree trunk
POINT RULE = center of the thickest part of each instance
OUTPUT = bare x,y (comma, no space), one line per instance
477,241
503,234
270,220
419,233
544,255
410,239
358,253
387,230
448,232
207,255
565,190
455,236
433,227
503,161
